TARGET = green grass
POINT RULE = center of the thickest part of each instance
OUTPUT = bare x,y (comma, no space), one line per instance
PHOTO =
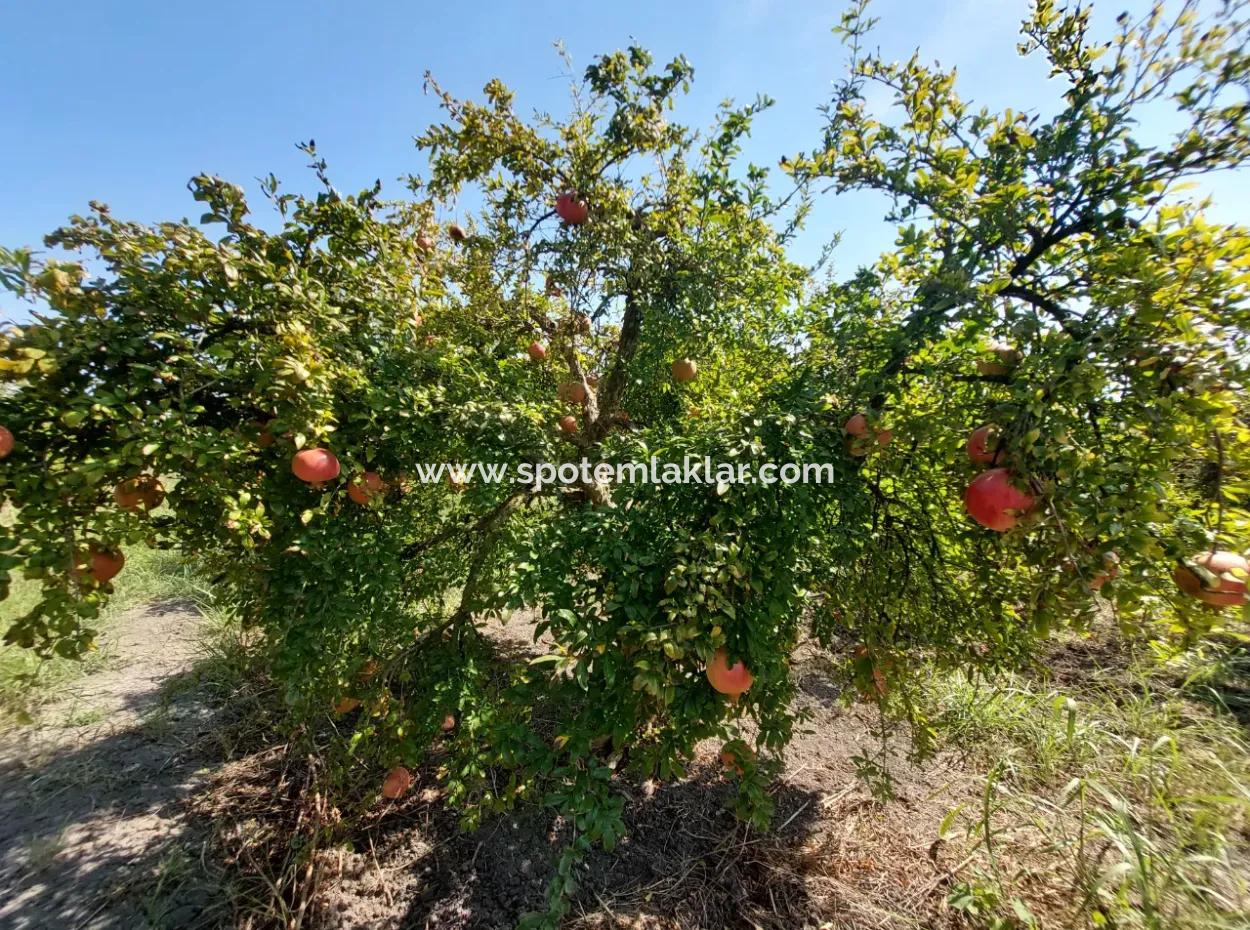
1122,800
26,680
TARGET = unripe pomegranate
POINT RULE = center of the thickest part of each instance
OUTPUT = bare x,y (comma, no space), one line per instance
315,465
733,680
572,209
995,502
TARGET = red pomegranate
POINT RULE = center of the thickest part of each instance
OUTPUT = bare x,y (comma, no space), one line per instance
856,432
732,761
537,351
1229,587
449,723
1006,359
684,370
572,209
314,465
457,233
104,564
398,781
1110,571
366,487
983,445
568,424
143,492
995,502
733,680
425,242
6,442
571,392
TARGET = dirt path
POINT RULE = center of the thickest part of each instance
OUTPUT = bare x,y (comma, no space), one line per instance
92,833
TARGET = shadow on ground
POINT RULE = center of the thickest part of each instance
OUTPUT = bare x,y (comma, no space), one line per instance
91,827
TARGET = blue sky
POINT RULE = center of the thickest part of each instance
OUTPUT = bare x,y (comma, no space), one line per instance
124,101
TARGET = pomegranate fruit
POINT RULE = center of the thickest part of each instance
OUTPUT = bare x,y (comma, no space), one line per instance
457,233
537,351
572,209
143,492
983,446
366,488
6,442
103,564
314,465
684,370
571,392
995,502
449,723
858,441
1230,571
733,680
397,782
425,242
568,424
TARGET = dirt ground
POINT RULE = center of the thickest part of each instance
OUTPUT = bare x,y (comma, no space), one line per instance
92,826
837,858
120,810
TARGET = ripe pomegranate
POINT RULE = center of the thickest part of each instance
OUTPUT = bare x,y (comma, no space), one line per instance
425,242
571,392
1006,358
6,442
537,351
449,723
104,564
457,233
732,761
983,445
858,442
143,492
314,465
572,209
398,781
995,502
568,424
1229,587
733,680
366,487
1110,571
684,370
346,705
